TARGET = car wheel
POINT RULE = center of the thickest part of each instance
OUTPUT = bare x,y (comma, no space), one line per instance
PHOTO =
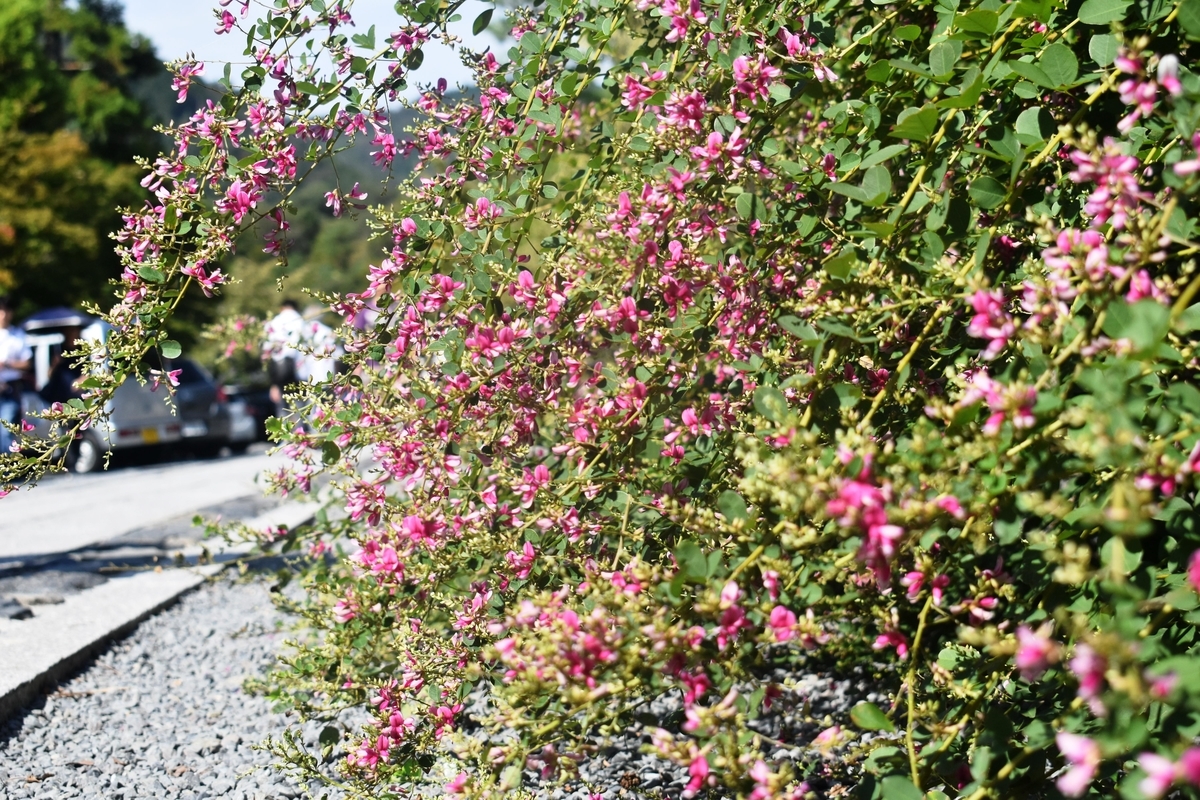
88,456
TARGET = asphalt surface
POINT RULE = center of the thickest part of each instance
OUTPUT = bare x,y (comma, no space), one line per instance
70,512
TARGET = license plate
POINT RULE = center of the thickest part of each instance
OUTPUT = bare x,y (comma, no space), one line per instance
193,429
150,435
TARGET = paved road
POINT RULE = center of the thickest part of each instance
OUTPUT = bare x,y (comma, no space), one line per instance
73,511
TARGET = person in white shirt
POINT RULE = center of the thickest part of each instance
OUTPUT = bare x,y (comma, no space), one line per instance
15,356
281,342
321,348
298,349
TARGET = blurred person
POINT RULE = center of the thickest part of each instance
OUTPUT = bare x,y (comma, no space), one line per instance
281,342
65,377
319,361
15,357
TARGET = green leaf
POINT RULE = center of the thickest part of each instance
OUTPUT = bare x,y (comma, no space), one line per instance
330,736
799,328
877,72
1034,125
870,717
771,403
881,155
151,275
916,124
1032,72
876,185
841,266
1102,12
750,207
691,560
732,505
987,192
942,58
898,787
482,21
1188,321
170,348
1189,18
979,21
1143,323
780,93
969,95
1103,47
1059,64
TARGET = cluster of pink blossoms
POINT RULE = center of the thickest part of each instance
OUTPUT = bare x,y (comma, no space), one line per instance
991,322
862,504
1141,92
584,645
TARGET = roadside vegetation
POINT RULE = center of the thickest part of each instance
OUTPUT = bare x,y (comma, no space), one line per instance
714,341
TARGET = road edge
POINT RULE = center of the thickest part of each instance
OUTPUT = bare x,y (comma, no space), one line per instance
60,640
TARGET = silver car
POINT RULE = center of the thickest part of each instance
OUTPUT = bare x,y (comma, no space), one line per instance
137,416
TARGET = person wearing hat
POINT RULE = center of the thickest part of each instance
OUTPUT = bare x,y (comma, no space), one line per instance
15,356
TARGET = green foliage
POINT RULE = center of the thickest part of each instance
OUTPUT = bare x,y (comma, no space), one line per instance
691,360
70,125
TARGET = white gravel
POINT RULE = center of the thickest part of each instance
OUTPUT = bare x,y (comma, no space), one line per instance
162,713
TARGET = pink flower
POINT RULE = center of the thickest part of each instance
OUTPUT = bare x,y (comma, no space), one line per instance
239,199
783,623
1161,686
1160,774
1194,570
1089,668
892,638
1189,766
1183,168
1117,193
636,93
698,772
225,23
950,504
1168,75
770,580
1083,757
754,78
387,149
991,322
457,784
482,212
1036,651
183,79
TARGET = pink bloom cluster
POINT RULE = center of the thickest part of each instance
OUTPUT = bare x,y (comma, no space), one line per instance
1013,403
1117,193
862,504
991,321
1036,651
188,70
580,646
1140,91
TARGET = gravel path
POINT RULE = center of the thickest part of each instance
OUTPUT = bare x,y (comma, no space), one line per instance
161,714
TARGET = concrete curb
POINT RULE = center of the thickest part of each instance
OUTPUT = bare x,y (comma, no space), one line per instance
59,639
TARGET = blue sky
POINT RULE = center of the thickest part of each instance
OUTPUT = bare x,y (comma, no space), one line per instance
179,26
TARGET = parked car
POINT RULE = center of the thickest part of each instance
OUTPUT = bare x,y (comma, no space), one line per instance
256,404
139,416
